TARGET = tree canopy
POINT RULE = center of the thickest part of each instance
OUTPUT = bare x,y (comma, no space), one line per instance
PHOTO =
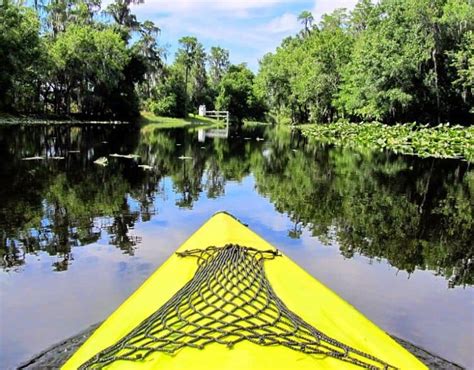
59,58
393,60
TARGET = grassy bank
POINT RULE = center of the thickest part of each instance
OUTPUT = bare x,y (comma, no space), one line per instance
146,119
443,141
149,120
7,119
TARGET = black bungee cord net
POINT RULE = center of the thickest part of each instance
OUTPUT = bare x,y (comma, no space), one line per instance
228,300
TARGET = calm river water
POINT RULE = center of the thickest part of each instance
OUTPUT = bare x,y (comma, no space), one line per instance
390,234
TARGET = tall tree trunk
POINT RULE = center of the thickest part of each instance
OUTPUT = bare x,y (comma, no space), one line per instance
186,73
434,57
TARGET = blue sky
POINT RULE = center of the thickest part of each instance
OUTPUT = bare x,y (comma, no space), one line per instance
247,28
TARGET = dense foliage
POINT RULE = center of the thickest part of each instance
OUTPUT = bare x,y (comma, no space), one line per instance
59,59
197,77
393,60
390,61
20,51
236,94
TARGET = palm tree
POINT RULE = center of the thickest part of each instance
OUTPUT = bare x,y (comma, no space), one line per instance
306,19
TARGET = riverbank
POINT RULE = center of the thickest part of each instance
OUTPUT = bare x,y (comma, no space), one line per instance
58,354
150,120
442,141
6,119
146,119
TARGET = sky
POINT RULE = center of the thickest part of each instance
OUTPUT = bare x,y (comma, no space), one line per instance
247,28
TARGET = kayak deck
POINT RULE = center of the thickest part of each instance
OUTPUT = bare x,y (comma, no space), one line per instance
299,293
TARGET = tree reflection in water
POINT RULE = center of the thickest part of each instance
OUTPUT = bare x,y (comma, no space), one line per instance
415,213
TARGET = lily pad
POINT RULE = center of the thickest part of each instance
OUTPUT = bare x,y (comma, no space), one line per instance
127,156
145,167
102,161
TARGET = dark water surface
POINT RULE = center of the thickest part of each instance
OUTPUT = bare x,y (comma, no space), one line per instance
390,234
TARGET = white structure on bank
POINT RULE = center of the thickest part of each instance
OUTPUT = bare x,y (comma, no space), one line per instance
202,110
219,115
214,114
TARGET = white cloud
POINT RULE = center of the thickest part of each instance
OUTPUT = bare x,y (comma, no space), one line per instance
328,6
236,25
287,23
202,8
248,28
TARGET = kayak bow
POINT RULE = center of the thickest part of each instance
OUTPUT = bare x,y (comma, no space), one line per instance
227,299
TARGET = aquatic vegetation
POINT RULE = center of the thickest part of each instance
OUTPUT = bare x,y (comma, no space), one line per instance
126,156
442,141
102,161
145,167
35,158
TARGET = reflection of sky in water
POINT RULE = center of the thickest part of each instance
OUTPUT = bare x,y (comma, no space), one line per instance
57,305
39,306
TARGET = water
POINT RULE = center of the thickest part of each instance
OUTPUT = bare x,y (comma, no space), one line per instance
390,234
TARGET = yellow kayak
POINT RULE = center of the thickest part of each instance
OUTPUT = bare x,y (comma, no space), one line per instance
227,299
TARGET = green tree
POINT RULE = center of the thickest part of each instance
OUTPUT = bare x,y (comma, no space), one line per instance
463,62
72,63
361,16
302,79
458,22
89,65
199,84
274,81
169,95
20,55
61,13
57,15
121,13
218,64
191,56
399,68
148,47
320,62
393,60
236,94
380,82
306,19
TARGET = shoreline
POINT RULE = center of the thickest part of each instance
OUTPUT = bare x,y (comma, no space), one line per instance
46,122
44,119
56,355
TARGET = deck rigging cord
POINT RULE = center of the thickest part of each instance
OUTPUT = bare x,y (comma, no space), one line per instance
228,300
